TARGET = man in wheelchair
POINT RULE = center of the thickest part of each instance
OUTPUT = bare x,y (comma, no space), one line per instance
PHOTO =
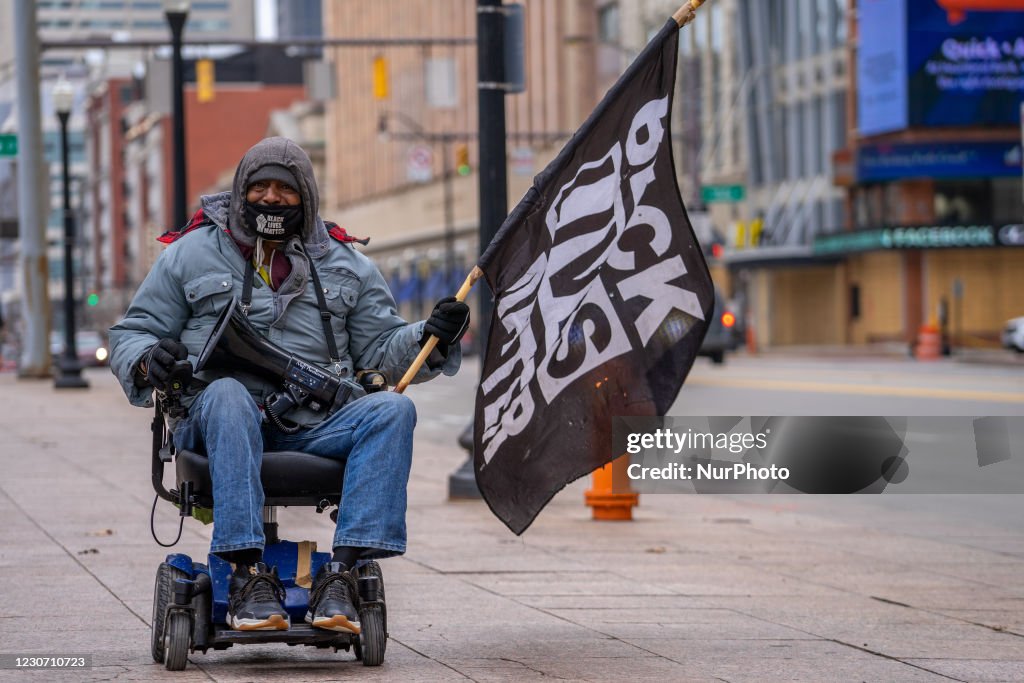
304,287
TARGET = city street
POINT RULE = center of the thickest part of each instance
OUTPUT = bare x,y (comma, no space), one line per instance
696,588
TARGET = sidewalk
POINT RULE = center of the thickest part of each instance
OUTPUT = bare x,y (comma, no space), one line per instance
698,588
892,350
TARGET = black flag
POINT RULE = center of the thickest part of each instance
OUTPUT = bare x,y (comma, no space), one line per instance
602,298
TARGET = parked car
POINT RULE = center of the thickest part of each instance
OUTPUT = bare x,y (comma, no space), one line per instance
1013,334
721,336
91,348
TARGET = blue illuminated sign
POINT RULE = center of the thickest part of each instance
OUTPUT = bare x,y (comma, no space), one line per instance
962,160
965,67
923,63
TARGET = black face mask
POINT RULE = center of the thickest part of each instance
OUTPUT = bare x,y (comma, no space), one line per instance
274,222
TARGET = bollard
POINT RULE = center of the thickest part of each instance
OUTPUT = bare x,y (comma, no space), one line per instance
610,495
751,340
929,343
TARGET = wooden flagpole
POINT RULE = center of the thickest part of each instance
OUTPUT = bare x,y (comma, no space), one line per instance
685,14
461,295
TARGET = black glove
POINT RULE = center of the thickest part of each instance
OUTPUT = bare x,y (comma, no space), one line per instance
155,367
448,322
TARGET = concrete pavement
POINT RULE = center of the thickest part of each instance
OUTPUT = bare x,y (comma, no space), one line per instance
698,588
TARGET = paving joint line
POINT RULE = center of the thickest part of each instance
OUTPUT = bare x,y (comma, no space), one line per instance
433,659
71,555
845,644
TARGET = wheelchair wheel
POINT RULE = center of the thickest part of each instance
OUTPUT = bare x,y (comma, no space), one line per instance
372,639
163,595
373,620
179,631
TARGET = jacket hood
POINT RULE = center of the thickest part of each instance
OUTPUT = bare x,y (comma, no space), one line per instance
284,152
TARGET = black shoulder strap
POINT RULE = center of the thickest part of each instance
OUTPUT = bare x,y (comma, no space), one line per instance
247,287
325,315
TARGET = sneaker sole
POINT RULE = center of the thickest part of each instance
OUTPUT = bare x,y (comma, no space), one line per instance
335,623
274,623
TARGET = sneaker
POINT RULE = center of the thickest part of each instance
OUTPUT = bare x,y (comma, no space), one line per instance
256,600
332,599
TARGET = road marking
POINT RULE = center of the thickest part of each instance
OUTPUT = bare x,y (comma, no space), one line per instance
863,389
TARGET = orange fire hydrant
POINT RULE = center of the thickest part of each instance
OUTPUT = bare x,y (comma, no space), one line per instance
611,496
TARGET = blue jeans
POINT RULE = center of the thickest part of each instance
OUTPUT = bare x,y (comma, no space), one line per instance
372,436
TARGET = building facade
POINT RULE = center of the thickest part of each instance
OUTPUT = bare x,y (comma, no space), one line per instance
130,173
384,163
933,174
860,163
113,21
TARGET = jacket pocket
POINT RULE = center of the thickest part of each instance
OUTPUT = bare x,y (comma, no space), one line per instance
341,291
208,294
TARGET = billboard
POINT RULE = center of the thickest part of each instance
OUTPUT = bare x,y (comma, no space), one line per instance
924,63
882,66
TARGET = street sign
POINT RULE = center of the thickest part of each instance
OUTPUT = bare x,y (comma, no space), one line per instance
522,160
420,165
8,145
722,193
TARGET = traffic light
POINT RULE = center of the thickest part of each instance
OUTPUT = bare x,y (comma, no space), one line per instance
205,80
93,299
462,159
380,78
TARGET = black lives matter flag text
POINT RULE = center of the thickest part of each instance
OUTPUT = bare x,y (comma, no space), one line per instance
602,298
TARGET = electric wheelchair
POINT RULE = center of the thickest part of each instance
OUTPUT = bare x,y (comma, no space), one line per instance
190,599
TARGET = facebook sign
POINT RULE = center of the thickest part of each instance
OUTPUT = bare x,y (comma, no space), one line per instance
939,63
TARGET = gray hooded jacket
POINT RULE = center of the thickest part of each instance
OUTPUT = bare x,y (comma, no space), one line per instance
199,273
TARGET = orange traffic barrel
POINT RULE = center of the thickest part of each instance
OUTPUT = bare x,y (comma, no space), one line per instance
929,343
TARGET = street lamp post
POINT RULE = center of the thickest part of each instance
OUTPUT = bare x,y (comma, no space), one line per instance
176,12
70,376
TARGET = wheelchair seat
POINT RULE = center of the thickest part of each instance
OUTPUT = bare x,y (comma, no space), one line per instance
288,477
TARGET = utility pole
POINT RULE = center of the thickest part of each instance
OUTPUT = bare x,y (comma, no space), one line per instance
493,188
35,352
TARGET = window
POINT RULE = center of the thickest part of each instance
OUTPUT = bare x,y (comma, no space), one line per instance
777,29
839,23
962,202
1007,197
609,23
822,38
701,31
103,23
208,25
717,27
